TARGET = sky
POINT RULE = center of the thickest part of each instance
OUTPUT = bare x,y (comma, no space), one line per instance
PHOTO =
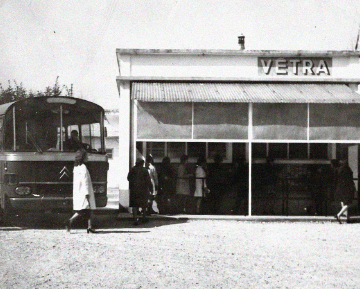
76,40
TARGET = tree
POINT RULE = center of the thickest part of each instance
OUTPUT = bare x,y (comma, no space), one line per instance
16,91
12,93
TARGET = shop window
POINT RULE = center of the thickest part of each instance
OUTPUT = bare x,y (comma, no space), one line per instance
341,151
238,151
156,149
259,150
139,146
196,149
318,151
298,151
175,149
216,148
278,150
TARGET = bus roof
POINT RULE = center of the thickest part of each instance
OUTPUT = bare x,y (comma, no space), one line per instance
5,107
50,100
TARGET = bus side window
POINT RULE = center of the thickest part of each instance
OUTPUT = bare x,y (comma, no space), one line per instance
91,136
8,133
1,133
58,138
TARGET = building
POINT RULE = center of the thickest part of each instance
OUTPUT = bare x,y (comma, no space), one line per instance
300,109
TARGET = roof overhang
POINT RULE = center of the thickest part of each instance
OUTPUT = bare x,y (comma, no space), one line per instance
244,92
283,53
237,79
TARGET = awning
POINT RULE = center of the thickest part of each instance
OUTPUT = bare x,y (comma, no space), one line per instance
243,92
279,111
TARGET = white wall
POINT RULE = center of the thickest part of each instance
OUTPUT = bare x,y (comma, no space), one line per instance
231,66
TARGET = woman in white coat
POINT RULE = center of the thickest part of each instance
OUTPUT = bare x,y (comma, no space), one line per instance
83,193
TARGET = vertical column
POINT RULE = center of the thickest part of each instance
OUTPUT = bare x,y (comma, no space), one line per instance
125,131
133,132
250,137
14,130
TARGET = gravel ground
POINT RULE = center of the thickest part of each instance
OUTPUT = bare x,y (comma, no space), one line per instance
180,254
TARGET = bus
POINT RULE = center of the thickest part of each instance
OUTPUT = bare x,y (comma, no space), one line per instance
36,160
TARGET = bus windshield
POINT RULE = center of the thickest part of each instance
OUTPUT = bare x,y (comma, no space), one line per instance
42,126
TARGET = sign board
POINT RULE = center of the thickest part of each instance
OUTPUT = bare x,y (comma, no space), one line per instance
295,66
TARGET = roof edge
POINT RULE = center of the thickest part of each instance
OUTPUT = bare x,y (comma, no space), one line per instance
236,79
339,53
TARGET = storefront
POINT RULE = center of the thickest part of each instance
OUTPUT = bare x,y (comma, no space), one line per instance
299,109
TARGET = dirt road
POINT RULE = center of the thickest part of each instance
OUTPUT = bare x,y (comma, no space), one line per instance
180,254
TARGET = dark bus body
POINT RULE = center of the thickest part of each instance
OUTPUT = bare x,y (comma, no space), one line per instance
36,160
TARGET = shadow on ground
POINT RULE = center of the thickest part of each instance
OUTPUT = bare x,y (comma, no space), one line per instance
103,223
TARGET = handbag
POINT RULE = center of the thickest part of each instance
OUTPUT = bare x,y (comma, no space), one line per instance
206,192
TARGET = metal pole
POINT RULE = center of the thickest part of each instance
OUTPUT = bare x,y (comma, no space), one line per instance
102,129
250,154
61,131
14,129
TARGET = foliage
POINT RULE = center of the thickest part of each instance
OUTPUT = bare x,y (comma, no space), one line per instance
16,91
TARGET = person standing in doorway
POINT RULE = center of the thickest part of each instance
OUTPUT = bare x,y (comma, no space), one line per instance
269,179
345,189
140,190
241,185
218,183
183,184
83,193
200,182
167,186
318,187
154,180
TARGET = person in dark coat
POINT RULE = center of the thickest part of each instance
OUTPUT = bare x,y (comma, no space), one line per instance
74,143
218,182
269,175
241,184
167,186
318,184
140,189
345,189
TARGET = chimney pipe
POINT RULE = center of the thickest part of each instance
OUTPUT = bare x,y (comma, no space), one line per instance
241,42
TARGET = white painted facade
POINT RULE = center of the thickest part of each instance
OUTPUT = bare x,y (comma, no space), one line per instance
223,64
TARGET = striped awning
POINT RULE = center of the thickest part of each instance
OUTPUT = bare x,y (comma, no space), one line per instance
243,92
